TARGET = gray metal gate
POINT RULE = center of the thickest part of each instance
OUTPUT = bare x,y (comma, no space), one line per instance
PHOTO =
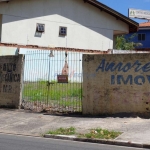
52,81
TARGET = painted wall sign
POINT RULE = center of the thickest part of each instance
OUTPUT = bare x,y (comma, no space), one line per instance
121,84
137,13
11,68
136,66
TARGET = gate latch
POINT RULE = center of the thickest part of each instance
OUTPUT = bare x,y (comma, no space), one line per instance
49,83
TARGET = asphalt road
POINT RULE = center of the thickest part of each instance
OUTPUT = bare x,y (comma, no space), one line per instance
12,142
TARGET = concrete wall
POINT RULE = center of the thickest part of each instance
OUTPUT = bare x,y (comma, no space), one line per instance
119,83
88,27
128,51
11,68
7,51
0,26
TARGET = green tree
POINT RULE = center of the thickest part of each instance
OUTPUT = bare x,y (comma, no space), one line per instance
126,43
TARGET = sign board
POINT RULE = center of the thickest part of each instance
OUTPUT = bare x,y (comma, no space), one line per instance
137,13
62,78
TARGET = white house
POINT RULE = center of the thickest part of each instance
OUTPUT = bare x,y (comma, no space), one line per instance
83,24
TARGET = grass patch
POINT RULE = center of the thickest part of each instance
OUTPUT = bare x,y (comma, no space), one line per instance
65,95
93,134
100,134
63,131
37,91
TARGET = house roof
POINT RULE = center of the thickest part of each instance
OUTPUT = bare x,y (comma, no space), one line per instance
133,26
144,25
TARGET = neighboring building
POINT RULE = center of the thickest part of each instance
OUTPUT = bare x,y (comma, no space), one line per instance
142,36
83,24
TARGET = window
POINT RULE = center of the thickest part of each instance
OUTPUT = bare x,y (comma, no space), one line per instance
141,37
63,31
40,27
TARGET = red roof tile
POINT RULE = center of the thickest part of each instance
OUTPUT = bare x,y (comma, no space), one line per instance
145,24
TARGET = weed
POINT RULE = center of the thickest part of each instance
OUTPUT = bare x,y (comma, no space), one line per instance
93,134
63,131
100,134
63,94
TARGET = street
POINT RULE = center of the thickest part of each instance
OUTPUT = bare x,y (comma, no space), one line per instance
13,142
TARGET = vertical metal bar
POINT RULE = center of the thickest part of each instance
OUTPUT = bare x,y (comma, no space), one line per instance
49,100
36,53
65,94
40,84
29,82
60,84
47,58
34,103
81,84
74,80
49,77
31,102
34,82
77,84
56,89
43,86
23,91
24,82
48,80
71,83
50,66
45,80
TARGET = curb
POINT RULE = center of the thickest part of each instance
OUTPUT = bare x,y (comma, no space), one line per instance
99,141
20,134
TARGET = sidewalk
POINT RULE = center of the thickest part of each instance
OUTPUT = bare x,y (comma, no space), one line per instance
135,130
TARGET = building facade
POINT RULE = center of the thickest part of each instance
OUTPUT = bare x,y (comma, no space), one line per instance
62,23
142,36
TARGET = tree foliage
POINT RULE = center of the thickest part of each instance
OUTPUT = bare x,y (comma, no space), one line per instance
126,43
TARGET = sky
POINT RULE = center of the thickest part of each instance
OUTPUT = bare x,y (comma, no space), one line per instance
122,6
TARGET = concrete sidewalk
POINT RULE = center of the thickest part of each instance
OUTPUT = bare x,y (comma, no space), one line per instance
35,124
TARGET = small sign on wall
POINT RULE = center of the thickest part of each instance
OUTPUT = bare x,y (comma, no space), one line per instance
62,78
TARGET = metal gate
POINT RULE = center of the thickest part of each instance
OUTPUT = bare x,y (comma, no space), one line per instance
52,81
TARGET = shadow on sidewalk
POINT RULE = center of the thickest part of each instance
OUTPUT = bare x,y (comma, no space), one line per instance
80,115
118,115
